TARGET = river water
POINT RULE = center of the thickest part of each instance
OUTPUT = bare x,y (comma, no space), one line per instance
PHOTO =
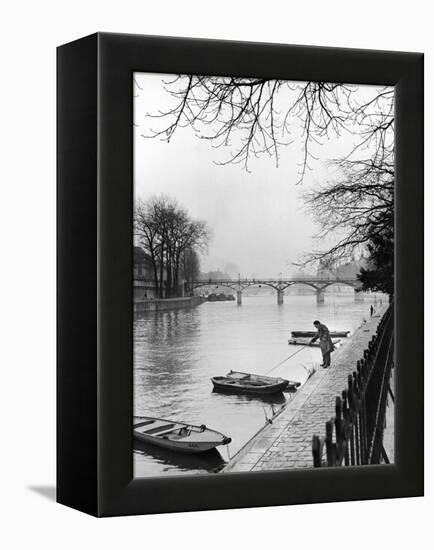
177,352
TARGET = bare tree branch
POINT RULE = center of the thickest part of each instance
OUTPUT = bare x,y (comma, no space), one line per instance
253,116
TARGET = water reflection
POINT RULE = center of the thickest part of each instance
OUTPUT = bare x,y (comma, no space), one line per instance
177,352
271,399
165,460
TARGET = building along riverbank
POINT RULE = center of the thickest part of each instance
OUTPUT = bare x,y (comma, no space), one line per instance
286,443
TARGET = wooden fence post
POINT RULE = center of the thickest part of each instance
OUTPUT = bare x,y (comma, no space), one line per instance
330,448
360,412
316,451
348,428
339,430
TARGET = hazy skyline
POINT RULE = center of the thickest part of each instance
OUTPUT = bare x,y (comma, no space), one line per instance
257,218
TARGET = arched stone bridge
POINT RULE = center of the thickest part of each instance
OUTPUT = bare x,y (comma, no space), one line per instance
280,285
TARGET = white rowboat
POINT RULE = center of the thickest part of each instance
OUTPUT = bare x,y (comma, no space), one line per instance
177,436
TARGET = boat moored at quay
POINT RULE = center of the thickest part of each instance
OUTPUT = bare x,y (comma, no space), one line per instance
243,382
177,436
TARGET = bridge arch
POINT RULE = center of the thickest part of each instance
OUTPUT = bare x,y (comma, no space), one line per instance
279,285
214,284
306,283
348,283
270,284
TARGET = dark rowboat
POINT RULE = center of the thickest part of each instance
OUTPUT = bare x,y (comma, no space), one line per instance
312,333
177,436
244,382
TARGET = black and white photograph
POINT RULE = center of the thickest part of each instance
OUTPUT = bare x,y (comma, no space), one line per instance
263,274
217,307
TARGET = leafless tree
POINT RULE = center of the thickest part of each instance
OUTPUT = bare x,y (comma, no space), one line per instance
254,116
357,206
146,230
190,265
166,232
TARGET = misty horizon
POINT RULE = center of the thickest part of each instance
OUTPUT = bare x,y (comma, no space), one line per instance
257,218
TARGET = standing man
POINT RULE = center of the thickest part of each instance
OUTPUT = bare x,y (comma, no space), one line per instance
372,310
325,343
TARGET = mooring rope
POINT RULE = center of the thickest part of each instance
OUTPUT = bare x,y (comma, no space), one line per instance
289,357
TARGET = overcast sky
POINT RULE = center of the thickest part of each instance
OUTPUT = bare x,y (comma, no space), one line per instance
258,219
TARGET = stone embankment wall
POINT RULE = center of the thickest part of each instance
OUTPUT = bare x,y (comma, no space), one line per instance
287,442
144,306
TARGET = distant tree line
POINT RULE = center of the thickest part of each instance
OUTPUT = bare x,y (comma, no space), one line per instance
172,239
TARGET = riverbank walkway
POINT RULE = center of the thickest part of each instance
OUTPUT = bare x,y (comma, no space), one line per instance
286,443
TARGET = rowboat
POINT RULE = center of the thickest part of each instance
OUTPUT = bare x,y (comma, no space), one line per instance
305,342
312,333
244,382
177,436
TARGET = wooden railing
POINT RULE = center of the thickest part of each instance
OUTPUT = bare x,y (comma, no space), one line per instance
354,436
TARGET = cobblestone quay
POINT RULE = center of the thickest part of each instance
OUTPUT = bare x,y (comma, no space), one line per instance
287,442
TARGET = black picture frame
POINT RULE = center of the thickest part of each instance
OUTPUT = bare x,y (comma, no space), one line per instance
95,201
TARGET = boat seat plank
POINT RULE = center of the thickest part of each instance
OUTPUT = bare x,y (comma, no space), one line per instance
161,428
172,431
239,375
145,423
